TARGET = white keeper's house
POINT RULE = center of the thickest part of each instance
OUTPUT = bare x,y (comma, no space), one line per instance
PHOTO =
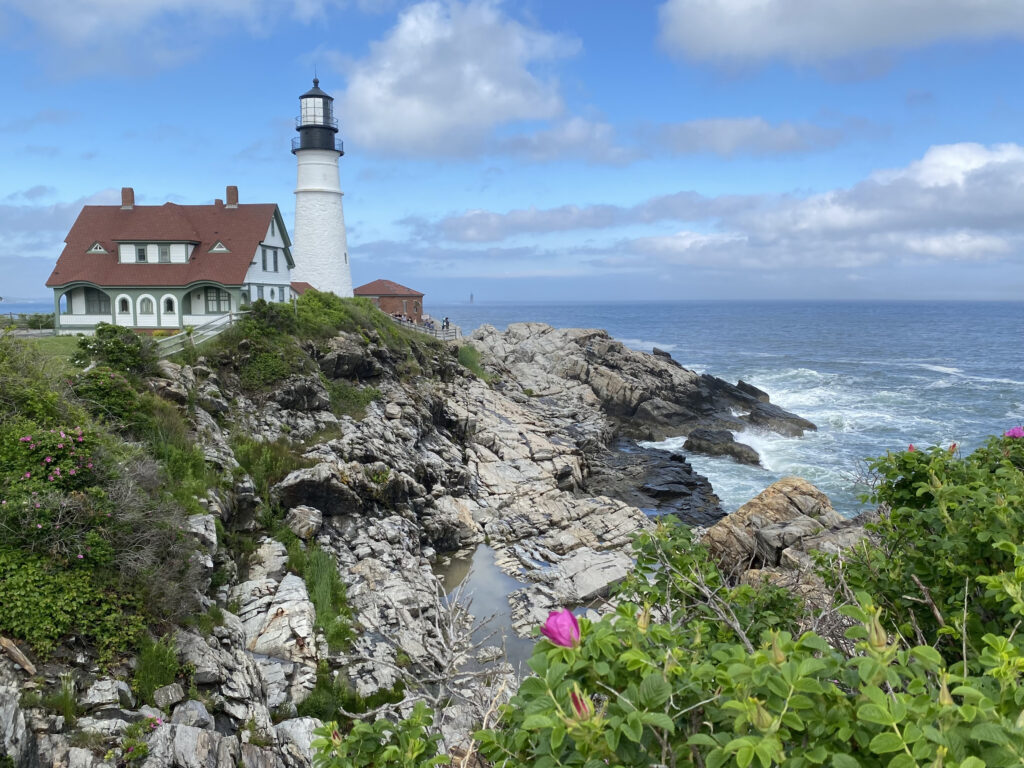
154,267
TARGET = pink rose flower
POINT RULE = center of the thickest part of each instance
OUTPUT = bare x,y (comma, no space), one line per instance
1014,432
911,448
561,628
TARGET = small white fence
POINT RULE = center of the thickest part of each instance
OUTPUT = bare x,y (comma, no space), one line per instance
452,333
200,333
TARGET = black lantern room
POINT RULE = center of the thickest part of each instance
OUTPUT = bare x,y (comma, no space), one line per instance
316,123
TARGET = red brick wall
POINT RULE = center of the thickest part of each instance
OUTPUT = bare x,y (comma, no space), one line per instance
410,306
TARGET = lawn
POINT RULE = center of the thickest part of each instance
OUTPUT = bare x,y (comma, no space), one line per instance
56,348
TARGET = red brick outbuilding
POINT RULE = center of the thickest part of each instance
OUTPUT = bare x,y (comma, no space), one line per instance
393,298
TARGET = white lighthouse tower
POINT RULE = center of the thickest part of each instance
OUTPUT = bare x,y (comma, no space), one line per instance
320,249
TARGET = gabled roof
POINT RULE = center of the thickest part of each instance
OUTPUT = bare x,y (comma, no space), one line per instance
241,229
384,288
300,287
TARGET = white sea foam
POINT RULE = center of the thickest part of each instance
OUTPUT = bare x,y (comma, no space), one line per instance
939,368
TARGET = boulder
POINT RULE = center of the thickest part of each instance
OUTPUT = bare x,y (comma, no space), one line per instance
304,521
106,693
192,713
322,487
720,442
750,389
733,539
168,695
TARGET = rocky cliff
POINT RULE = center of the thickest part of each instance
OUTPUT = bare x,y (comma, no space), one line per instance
441,462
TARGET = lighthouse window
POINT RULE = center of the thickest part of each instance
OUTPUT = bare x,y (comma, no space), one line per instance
140,254
165,254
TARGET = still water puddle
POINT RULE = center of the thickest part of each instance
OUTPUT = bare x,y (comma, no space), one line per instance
489,587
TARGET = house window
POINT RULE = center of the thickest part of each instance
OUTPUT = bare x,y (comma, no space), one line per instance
96,302
264,259
273,227
165,254
259,291
272,294
122,306
140,254
146,306
217,301
169,305
275,259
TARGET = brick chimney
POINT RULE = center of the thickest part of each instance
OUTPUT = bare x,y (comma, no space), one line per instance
232,197
127,198
219,203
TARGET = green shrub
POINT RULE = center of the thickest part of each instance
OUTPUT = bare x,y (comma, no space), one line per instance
44,602
30,389
107,394
381,744
946,513
120,348
39,320
350,400
156,666
330,694
469,357
267,463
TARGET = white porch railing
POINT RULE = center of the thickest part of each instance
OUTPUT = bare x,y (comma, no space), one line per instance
199,333
452,333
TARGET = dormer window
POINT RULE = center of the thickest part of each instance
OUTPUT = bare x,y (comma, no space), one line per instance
96,248
219,247
164,254
140,254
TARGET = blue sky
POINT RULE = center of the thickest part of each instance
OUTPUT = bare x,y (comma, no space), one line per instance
682,149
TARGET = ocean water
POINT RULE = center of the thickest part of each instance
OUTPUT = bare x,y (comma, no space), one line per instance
874,376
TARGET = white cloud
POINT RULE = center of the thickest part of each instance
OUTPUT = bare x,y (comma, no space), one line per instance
957,203
742,31
446,75
745,135
100,35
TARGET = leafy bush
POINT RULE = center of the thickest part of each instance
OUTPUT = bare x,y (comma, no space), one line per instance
330,694
946,513
381,744
469,357
267,463
39,320
157,666
43,602
107,394
120,348
350,400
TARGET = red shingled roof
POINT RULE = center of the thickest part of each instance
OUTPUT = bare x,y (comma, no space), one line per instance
300,287
384,288
240,229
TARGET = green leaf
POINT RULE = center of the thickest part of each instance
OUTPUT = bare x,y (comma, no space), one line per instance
702,740
632,728
745,756
872,713
844,761
659,720
904,760
719,757
654,690
886,742
928,656
989,732
557,736
536,722
972,762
